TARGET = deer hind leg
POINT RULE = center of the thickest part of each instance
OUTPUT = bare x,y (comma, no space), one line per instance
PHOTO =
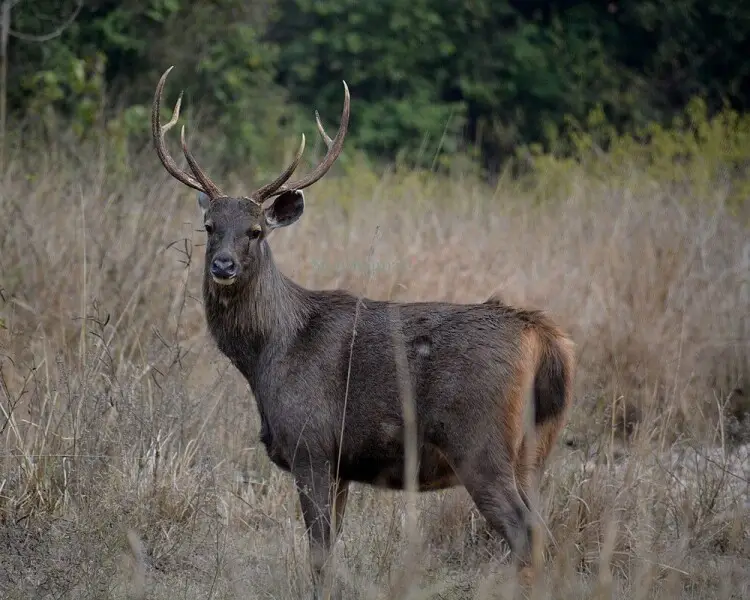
319,498
524,468
491,484
547,434
535,449
534,452
489,473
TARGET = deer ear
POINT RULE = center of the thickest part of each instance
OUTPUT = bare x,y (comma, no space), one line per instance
203,201
285,210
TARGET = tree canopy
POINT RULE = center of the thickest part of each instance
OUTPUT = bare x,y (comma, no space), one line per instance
484,76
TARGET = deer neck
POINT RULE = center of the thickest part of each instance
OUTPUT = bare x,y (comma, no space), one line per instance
262,314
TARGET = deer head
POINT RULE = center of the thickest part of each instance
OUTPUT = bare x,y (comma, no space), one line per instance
237,227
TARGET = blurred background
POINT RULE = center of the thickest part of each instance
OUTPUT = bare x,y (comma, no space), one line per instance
491,80
587,158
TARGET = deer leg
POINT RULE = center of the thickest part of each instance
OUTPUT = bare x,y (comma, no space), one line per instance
491,483
342,495
533,454
316,494
524,470
546,436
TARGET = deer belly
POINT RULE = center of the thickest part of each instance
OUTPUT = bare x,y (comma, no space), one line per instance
387,471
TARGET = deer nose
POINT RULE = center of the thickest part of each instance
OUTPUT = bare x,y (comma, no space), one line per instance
223,267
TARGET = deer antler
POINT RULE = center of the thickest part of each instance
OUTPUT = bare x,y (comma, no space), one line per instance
200,181
334,149
268,190
326,138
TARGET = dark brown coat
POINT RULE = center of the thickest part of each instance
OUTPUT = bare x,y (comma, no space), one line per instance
323,368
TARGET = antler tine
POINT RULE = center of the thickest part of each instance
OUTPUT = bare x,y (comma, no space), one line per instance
266,191
158,130
326,138
334,149
209,186
200,181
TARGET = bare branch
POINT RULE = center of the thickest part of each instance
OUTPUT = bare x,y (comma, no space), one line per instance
48,36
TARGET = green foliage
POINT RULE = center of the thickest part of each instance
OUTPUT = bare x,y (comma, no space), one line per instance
508,73
522,75
429,69
102,71
391,54
433,83
74,87
706,152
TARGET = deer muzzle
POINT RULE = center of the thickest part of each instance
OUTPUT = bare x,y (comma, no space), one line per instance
223,269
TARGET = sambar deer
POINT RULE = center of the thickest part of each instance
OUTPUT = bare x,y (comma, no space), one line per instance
323,368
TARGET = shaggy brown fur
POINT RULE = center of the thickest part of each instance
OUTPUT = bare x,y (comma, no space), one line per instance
323,369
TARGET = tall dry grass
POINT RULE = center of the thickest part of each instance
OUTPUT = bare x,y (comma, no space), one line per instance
130,464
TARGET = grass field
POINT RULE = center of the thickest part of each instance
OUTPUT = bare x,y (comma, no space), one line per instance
130,465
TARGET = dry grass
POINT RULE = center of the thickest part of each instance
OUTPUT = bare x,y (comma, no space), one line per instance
129,458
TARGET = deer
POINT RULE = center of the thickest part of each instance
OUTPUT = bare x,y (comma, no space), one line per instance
490,383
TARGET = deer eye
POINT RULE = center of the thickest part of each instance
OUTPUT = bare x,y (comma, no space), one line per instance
209,227
254,232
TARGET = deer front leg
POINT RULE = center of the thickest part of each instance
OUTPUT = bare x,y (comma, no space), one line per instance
316,493
342,495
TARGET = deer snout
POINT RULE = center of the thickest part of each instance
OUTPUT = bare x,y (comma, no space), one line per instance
223,269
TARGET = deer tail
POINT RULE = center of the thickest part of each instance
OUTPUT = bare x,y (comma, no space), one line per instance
553,381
